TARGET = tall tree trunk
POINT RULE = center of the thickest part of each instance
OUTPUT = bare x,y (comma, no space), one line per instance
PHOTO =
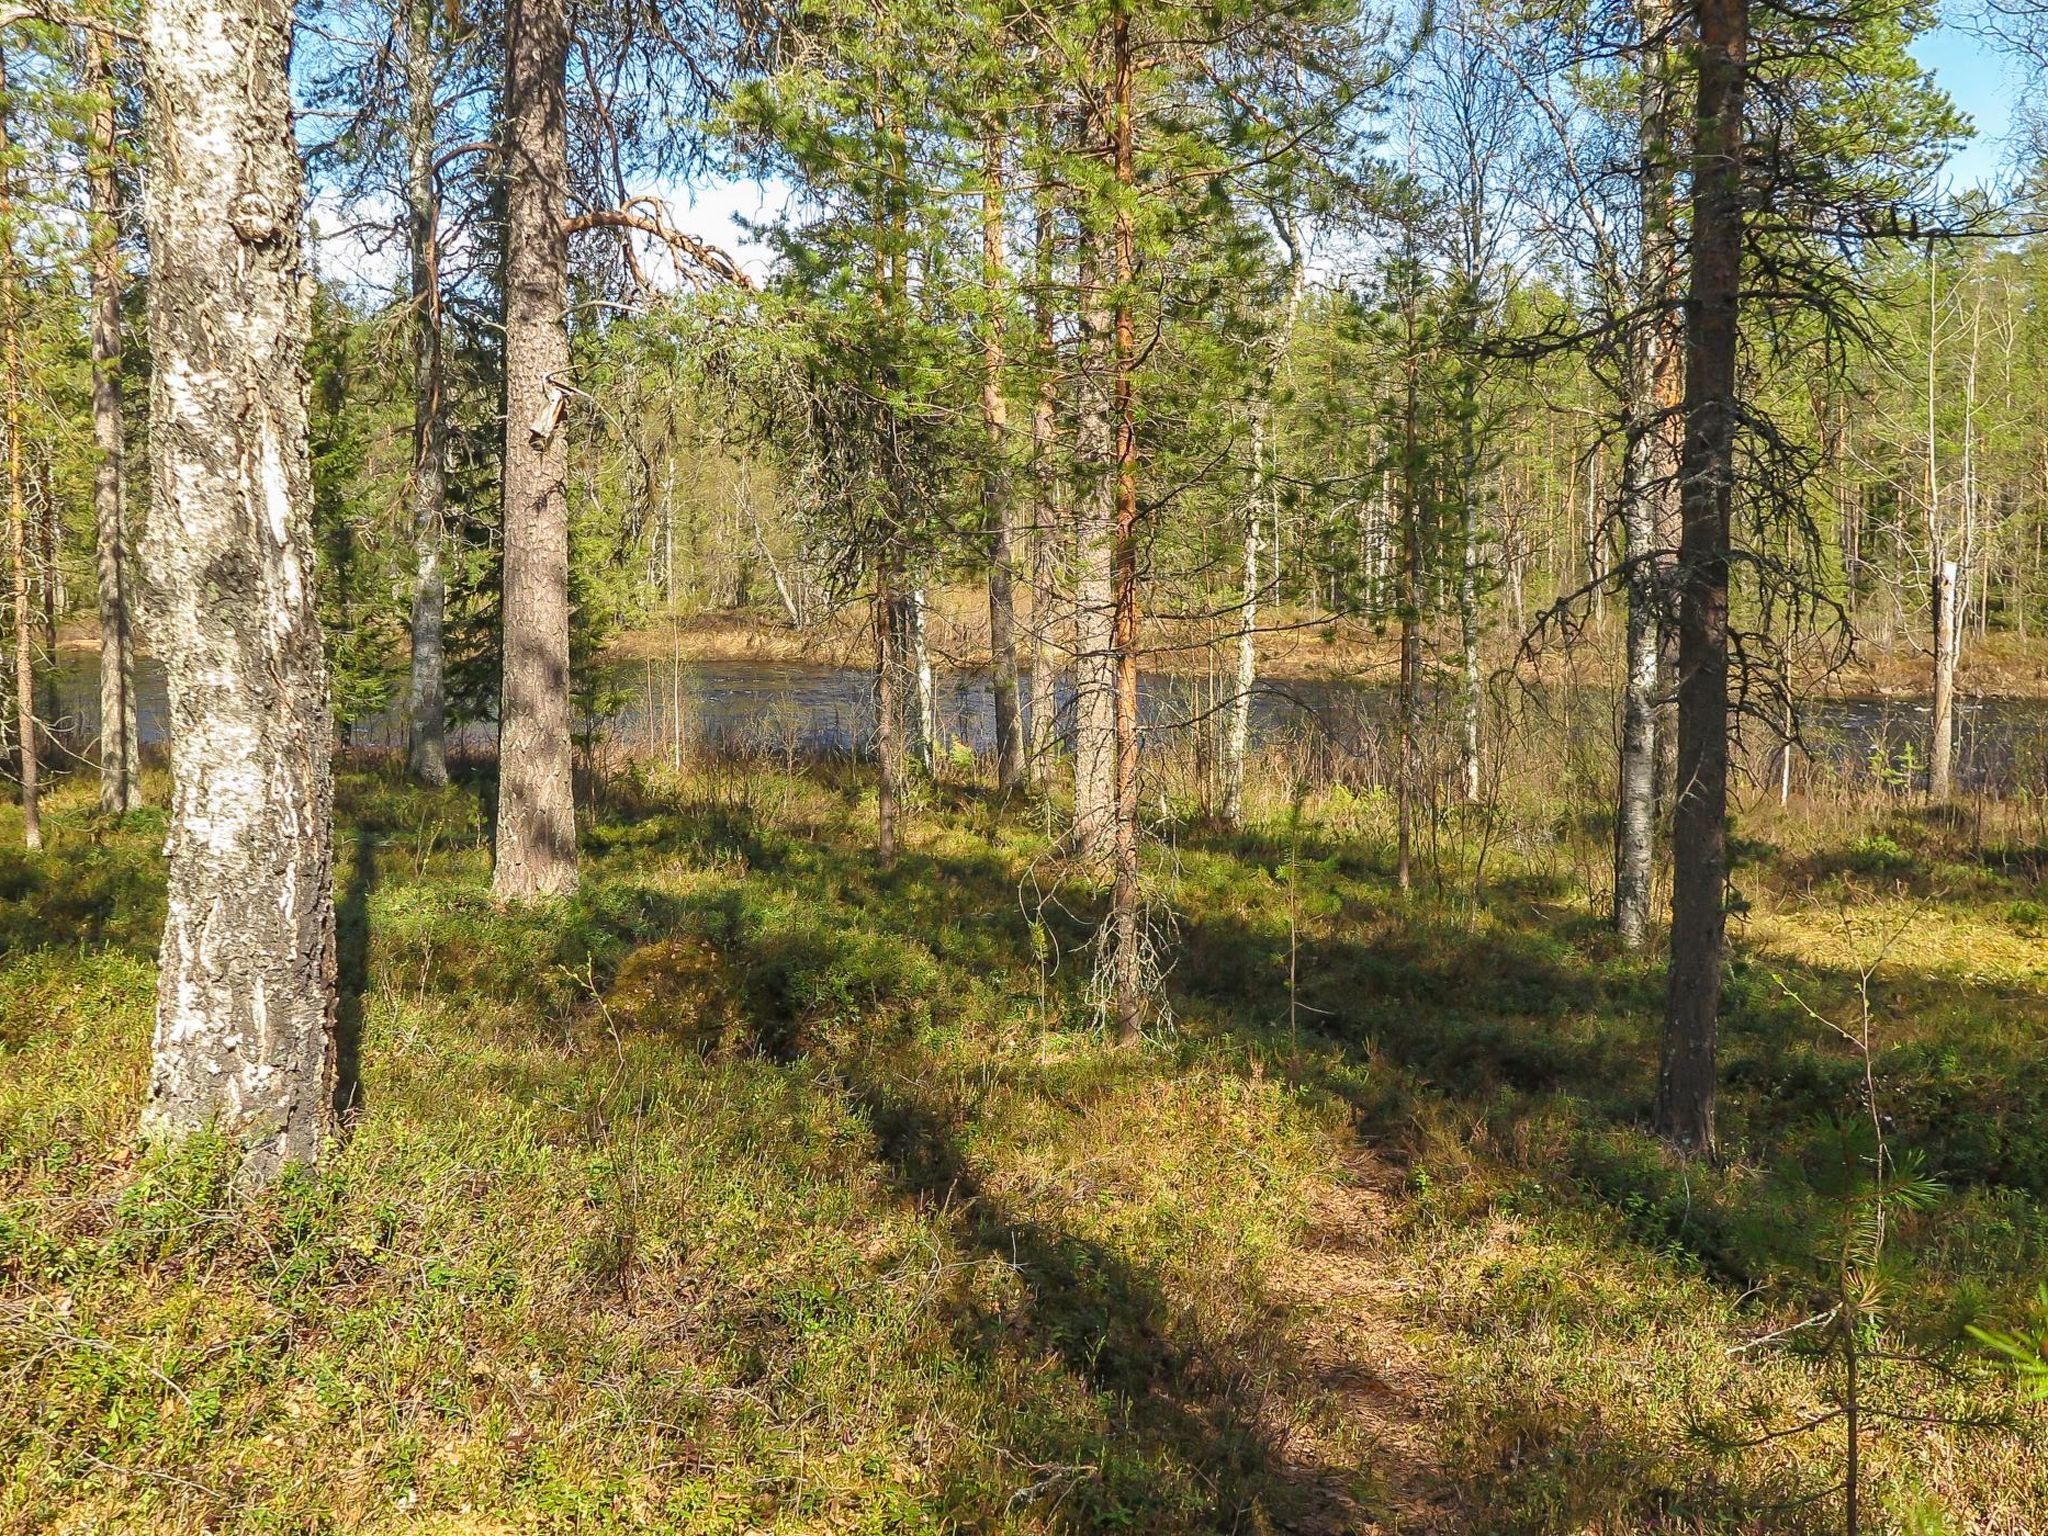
536,829
246,979
888,712
1468,591
998,503
1127,916
1238,732
120,752
17,501
1649,488
1262,525
1094,573
1411,618
1942,608
1684,1112
426,720
1045,562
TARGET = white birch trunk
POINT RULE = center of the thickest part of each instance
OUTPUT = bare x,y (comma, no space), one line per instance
246,983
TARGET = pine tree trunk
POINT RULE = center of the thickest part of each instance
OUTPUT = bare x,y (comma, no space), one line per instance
28,747
1684,1113
246,979
536,827
426,719
120,752
998,503
1127,915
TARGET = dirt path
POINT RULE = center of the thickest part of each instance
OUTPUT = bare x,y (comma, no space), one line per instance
1363,1449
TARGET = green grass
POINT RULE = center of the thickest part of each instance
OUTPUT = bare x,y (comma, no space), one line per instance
758,1189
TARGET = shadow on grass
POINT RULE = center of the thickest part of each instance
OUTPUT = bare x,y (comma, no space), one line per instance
1183,1444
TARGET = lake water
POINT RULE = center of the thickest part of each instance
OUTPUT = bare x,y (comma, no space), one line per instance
806,710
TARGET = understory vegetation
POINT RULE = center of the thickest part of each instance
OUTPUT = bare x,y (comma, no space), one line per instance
757,1187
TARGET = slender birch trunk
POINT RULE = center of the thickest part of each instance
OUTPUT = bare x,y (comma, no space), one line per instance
888,712
426,719
17,502
536,828
1684,1113
1045,561
1262,524
998,502
246,980
1649,487
1094,577
1941,756
120,751
1237,736
917,632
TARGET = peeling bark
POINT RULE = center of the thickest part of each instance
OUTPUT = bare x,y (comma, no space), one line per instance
246,982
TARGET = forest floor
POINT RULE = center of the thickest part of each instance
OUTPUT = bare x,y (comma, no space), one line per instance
1294,646
758,1189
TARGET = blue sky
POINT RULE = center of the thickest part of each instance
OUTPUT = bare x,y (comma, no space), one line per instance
1983,84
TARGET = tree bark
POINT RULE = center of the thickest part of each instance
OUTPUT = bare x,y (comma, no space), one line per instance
29,748
1940,757
1127,916
120,751
1045,562
246,979
1238,733
426,747
1649,488
1684,1113
536,826
1094,575
888,713
997,501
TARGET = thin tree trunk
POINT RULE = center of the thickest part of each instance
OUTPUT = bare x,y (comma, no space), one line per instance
426,722
917,632
1045,562
1262,525
1237,737
17,502
1649,492
1940,758
120,752
998,503
1468,599
536,828
888,714
246,980
1127,917
1094,580
1411,622
1684,1112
